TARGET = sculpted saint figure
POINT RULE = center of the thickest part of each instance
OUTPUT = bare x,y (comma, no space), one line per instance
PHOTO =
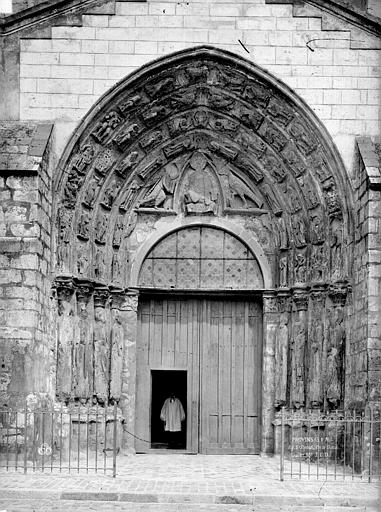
64,229
101,356
160,195
297,377
281,351
65,344
336,347
283,272
315,363
116,357
83,354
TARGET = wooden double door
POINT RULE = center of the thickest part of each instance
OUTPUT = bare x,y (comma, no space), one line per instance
218,343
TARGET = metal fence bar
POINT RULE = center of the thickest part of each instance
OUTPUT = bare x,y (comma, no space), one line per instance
87,437
300,461
336,442
16,441
43,440
114,441
96,438
282,446
25,437
292,444
318,451
7,449
104,442
70,432
345,443
371,446
52,441
34,415
79,440
61,427
309,449
353,444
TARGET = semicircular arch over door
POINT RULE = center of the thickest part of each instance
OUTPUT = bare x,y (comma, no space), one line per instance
200,258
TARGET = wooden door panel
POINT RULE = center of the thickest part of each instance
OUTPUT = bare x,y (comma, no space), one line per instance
231,347
168,338
219,343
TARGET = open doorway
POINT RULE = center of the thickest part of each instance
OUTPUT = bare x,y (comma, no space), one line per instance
163,383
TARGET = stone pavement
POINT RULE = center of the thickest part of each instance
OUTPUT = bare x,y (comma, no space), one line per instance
174,482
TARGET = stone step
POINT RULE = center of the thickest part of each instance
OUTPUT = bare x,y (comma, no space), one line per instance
267,501
48,505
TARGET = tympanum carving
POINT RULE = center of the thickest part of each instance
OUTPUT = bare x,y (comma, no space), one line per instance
160,193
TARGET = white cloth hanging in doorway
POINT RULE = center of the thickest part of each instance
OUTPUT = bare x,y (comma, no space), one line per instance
173,414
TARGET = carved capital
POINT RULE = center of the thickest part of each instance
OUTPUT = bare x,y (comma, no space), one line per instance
64,287
284,302
318,294
84,289
300,299
270,302
101,295
130,303
338,293
117,297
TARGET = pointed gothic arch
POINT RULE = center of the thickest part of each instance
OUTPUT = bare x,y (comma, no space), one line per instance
207,136
266,142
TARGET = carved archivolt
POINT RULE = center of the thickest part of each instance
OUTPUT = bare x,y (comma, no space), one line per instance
205,134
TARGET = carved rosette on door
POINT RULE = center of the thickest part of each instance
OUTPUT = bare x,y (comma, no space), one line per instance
204,137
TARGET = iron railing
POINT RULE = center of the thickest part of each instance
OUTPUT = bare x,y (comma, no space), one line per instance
60,438
332,446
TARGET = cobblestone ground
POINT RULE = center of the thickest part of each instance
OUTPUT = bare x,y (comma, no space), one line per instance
186,483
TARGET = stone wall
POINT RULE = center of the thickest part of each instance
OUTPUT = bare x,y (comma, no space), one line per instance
365,350
25,191
337,75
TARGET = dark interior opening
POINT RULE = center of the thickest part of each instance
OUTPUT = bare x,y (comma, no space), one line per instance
163,382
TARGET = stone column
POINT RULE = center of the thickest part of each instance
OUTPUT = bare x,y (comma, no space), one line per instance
83,357
315,349
117,341
298,344
335,347
130,318
101,339
270,325
282,348
65,337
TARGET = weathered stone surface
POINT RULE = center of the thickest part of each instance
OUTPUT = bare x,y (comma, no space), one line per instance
203,139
